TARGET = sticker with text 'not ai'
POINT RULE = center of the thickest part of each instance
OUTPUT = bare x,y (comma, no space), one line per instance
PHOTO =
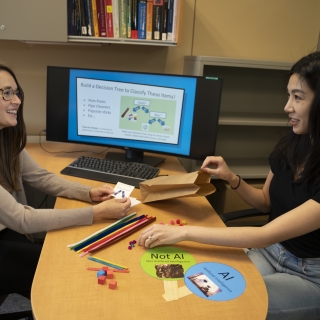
166,263
215,281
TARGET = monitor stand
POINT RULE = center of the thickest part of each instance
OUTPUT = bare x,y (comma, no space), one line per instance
134,156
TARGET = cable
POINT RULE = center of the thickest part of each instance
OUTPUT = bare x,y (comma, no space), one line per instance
90,151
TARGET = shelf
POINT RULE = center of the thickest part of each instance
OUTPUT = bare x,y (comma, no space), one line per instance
248,119
195,63
252,118
103,40
249,168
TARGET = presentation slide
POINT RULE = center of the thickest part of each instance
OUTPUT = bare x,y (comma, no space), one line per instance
112,109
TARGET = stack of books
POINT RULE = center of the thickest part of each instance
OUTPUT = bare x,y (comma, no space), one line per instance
124,19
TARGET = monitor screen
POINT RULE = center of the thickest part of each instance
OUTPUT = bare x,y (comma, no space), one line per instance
137,112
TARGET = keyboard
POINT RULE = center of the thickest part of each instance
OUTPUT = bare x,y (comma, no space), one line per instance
111,171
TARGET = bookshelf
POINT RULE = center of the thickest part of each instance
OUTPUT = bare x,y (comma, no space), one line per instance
251,115
44,21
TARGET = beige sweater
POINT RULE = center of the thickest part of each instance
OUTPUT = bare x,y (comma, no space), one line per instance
17,215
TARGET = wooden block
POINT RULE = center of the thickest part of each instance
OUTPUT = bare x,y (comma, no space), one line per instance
109,274
101,273
93,269
102,280
112,284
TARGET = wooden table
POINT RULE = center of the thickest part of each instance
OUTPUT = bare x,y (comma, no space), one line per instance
64,289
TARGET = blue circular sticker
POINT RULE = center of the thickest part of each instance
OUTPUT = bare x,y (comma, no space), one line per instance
215,281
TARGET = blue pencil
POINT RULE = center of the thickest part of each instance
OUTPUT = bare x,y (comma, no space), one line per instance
105,233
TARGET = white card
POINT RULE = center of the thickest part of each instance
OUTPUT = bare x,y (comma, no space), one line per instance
122,190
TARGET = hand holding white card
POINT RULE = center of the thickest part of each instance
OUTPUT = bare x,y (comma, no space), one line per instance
122,190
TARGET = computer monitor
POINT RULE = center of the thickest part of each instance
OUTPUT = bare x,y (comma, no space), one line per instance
137,112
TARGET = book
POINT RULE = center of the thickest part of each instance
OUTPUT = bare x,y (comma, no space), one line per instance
149,20
170,19
157,19
109,21
88,12
129,9
77,18
142,10
134,19
164,20
123,18
83,18
115,18
176,17
72,17
101,14
95,18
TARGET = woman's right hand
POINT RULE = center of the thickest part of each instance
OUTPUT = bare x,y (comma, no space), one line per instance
218,167
111,209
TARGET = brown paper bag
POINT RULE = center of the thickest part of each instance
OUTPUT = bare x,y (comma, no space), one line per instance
176,186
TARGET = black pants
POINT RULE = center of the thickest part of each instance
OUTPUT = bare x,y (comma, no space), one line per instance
18,262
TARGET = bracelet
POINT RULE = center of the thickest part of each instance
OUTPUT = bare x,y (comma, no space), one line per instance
238,183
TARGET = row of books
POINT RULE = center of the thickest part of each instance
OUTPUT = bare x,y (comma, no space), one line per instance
126,19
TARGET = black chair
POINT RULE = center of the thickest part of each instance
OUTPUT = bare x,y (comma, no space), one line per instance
36,199
246,217
14,315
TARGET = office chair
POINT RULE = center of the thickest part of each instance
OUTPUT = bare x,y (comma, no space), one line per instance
36,199
246,217
14,315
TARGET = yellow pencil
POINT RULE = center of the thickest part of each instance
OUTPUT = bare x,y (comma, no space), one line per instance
115,264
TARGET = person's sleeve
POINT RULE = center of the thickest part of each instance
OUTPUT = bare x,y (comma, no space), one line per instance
272,164
316,197
25,219
49,182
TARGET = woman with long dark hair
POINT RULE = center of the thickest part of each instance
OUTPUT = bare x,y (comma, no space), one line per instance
287,249
18,255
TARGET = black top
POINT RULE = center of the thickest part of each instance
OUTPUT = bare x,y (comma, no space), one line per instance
286,195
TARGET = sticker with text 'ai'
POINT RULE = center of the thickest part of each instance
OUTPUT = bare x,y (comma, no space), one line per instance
166,263
215,281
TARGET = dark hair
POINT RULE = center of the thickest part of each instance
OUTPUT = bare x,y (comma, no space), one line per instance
303,151
12,142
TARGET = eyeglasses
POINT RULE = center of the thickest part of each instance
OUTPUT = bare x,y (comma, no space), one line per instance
8,93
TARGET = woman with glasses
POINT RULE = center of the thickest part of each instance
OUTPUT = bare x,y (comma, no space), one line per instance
287,249
18,255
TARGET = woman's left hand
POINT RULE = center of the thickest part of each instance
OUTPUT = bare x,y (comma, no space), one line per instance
101,193
159,234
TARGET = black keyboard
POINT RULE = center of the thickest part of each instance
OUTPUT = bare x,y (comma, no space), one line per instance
111,171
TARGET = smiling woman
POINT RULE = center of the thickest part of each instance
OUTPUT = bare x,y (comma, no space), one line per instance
286,250
300,98
10,101
17,219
